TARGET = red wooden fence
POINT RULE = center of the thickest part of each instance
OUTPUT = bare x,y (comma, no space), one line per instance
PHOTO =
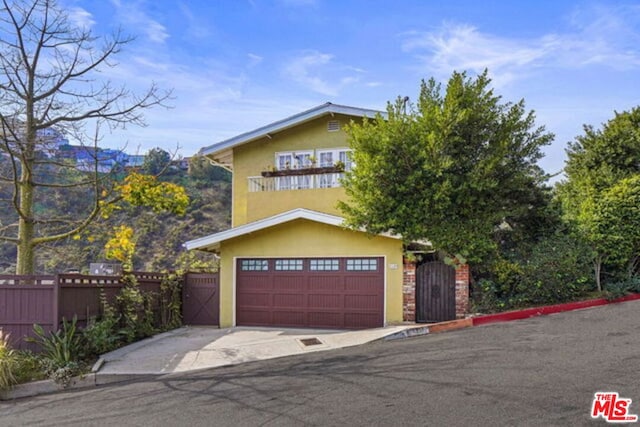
46,300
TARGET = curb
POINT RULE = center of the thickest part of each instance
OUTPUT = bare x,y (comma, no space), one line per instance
508,316
432,328
46,387
411,331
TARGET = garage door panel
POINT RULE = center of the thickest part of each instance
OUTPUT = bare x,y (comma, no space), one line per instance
286,283
361,320
327,283
310,297
325,301
361,302
288,318
255,299
326,320
254,317
254,282
289,300
358,284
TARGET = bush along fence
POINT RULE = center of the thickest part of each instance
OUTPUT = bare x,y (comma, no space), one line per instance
150,299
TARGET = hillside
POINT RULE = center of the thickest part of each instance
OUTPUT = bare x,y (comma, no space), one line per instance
159,236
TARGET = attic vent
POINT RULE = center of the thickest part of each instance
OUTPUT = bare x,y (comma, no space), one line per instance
333,126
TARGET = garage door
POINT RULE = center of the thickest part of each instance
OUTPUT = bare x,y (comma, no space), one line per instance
310,292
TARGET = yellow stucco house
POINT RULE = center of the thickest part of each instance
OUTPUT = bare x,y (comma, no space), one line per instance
288,260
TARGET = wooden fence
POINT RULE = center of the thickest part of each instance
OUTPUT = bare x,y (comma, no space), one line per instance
46,300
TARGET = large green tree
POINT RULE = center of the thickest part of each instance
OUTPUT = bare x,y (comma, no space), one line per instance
156,161
602,164
452,169
52,82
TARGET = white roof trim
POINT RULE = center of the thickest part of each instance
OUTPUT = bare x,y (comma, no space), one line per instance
213,241
305,116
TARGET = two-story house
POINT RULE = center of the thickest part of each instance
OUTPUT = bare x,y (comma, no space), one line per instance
288,260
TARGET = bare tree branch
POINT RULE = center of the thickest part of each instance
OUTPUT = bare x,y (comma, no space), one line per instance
51,80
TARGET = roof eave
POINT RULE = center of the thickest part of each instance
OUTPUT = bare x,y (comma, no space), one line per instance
212,242
289,122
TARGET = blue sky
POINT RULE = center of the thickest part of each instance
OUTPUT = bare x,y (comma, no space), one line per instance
235,65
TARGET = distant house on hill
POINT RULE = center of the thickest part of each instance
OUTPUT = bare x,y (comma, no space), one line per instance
134,161
182,164
48,141
89,158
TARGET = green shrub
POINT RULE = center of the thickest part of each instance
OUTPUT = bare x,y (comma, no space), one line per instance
171,301
135,308
556,269
61,347
61,351
61,374
7,363
101,335
621,288
28,367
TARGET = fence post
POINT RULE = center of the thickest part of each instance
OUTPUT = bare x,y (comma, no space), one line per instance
55,300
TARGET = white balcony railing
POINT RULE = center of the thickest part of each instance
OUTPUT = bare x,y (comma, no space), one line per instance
295,182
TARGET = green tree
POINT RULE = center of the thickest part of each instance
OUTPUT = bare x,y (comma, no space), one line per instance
201,169
452,170
156,161
617,223
51,80
597,164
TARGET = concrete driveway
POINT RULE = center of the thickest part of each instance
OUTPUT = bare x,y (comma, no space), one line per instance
195,348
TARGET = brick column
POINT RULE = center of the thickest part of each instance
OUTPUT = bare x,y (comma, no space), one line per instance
409,291
462,291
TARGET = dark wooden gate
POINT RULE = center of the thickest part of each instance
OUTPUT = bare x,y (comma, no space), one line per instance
201,299
435,292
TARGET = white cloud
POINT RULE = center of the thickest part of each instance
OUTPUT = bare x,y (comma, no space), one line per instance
81,17
319,73
197,27
133,14
606,39
254,59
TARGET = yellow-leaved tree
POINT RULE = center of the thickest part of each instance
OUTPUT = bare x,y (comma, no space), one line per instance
146,191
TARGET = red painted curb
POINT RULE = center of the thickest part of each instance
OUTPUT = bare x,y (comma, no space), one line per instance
549,309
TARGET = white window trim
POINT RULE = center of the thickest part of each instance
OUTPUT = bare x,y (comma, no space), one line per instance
335,155
293,155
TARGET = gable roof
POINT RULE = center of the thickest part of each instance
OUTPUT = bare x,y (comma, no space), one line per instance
295,120
212,242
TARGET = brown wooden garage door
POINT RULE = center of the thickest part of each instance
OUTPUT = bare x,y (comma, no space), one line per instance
310,292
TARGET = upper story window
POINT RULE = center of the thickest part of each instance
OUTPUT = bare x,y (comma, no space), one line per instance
299,170
294,160
329,157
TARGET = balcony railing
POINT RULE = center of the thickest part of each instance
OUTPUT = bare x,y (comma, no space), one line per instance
295,182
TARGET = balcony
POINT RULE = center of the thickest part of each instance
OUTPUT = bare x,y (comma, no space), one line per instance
280,181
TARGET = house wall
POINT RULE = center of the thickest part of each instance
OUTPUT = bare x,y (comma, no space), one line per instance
251,159
268,203
303,238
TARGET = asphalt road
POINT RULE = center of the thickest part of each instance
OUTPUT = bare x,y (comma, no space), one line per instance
541,371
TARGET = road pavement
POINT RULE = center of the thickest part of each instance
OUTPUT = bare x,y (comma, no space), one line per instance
541,371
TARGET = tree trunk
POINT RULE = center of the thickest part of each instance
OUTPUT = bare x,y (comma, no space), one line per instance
597,268
25,263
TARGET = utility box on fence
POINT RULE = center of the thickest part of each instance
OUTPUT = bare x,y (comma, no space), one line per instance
105,269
